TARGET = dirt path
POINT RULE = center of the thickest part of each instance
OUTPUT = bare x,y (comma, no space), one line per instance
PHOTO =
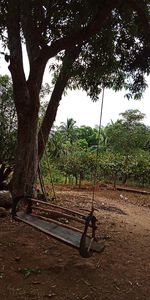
34,266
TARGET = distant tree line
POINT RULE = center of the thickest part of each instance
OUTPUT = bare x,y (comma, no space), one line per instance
121,157
119,154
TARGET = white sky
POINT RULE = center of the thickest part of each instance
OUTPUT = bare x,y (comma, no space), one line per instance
78,106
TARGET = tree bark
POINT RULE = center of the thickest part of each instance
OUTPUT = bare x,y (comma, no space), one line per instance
26,97
26,157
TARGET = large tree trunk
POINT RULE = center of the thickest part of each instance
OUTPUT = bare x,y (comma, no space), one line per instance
27,155
26,98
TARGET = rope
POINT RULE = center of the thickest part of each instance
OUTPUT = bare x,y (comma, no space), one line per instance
50,173
97,151
48,164
42,184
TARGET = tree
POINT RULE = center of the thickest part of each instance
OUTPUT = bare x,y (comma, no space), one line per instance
123,151
127,136
100,43
68,129
8,127
110,167
78,161
140,168
89,134
127,133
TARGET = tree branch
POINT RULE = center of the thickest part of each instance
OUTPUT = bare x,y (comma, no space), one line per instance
83,34
16,60
60,85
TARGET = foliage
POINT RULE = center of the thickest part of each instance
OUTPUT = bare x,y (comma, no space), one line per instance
128,133
68,129
114,56
8,126
122,154
88,134
8,120
140,168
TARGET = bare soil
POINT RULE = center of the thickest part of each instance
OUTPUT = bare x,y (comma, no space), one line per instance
35,266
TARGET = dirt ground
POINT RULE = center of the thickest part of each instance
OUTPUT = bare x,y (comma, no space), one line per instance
35,266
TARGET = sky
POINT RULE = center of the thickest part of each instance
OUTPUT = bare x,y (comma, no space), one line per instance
77,105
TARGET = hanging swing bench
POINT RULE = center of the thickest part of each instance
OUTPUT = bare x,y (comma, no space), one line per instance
42,216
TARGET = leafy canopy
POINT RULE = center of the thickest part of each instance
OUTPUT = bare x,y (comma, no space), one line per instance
116,56
128,133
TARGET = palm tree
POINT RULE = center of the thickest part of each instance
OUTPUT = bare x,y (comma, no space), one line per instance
68,129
